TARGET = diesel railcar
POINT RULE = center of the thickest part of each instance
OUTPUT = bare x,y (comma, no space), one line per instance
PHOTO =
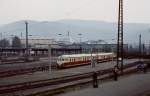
65,61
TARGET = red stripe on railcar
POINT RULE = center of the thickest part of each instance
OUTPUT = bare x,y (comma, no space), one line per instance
70,64
76,63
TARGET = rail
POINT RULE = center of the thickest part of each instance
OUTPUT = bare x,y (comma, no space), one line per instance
56,81
22,71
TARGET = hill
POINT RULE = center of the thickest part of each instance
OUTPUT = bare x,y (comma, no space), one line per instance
90,30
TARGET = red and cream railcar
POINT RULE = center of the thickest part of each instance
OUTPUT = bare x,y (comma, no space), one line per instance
65,61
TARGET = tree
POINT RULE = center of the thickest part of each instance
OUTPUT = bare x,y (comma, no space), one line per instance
4,43
16,42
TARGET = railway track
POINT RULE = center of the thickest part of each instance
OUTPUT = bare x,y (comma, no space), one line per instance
12,60
64,88
36,68
17,60
22,71
56,81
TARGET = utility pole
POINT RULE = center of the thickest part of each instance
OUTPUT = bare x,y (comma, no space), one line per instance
120,37
149,48
112,50
1,36
80,41
68,37
21,35
149,51
50,58
27,46
140,51
92,58
0,48
143,49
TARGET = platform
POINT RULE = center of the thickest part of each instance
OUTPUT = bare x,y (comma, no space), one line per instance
133,85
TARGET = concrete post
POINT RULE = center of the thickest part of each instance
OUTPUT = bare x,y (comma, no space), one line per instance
95,81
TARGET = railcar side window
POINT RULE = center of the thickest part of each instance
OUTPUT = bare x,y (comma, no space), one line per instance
65,59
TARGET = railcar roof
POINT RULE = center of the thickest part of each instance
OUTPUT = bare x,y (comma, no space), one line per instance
84,55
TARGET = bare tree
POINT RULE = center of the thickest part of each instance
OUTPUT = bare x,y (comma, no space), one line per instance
16,42
4,43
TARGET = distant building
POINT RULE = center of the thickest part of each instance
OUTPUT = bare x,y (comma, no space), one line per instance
42,43
87,48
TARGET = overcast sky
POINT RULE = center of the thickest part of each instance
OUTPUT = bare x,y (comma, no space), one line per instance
51,10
